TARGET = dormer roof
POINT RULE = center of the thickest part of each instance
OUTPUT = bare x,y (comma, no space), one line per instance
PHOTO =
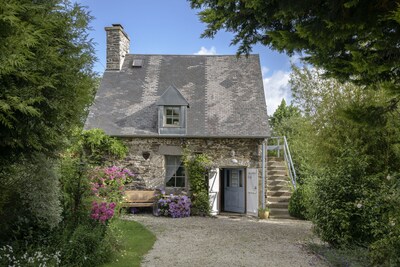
172,97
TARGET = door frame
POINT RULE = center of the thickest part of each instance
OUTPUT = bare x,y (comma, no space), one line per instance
222,187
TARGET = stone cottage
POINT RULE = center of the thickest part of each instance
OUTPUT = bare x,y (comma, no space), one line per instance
160,104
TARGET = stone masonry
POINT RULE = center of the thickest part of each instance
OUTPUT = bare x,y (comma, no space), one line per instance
150,173
117,46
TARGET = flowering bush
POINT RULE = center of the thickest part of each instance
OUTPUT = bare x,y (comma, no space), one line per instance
107,186
103,211
109,182
176,206
8,257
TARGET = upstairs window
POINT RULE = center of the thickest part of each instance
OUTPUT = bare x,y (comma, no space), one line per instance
172,116
175,172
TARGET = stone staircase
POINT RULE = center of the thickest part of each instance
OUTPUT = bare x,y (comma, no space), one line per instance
278,188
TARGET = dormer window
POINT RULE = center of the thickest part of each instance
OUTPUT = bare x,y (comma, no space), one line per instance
172,116
172,107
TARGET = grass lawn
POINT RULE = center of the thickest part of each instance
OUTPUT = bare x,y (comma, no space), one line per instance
135,240
352,257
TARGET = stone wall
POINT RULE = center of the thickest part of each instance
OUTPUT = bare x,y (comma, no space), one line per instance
151,172
117,46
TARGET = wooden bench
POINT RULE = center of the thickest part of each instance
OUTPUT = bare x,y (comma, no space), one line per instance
139,198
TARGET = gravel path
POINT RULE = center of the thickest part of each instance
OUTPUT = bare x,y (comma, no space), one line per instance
228,241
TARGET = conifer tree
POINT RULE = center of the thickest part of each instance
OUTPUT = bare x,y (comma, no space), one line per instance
46,77
353,40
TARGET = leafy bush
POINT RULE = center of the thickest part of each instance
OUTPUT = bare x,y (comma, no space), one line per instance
86,246
201,203
176,206
297,207
32,205
10,256
346,202
197,170
386,251
101,148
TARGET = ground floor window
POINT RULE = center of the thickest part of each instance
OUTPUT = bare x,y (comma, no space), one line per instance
175,172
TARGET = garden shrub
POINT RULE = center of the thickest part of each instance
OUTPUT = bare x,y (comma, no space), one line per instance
175,206
32,206
11,256
346,202
297,207
197,168
86,246
100,148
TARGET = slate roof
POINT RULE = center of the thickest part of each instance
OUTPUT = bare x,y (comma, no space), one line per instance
225,96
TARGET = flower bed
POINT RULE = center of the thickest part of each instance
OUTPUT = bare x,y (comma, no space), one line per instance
175,206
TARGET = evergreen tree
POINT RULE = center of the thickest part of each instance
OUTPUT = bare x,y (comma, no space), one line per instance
355,40
46,77
281,115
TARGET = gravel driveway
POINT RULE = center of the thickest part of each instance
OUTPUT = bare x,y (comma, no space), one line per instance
228,241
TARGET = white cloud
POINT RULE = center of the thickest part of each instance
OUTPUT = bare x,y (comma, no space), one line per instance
264,70
205,51
276,88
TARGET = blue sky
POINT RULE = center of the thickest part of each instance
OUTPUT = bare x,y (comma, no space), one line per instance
172,27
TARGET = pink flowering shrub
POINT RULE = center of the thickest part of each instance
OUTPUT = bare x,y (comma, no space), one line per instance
107,185
102,211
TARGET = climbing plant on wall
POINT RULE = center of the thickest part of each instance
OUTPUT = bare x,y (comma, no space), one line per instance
197,167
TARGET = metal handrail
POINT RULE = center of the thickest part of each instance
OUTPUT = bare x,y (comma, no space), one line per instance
287,156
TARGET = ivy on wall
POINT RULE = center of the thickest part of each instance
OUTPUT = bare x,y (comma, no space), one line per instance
197,167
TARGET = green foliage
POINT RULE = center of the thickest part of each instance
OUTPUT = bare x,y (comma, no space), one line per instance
86,246
297,207
352,40
134,241
351,256
197,168
30,198
91,148
100,148
282,114
46,77
345,146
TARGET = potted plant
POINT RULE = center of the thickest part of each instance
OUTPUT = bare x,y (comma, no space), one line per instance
263,213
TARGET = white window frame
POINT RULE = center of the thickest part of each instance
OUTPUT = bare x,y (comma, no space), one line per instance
174,166
173,117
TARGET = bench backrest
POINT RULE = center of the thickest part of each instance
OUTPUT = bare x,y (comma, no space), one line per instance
139,196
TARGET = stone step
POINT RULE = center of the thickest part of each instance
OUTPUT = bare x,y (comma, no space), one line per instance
278,212
278,205
278,177
278,193
277,173
273,188
276,199
276,164
282,216
276,158
278,182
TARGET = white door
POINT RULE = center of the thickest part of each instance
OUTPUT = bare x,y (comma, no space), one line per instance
252,192
213,190
234,190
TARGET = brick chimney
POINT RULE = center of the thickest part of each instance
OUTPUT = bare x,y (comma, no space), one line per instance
117,46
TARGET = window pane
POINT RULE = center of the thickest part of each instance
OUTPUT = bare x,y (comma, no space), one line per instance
176,111
171,182
180,172
172,116
175,172
180,182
